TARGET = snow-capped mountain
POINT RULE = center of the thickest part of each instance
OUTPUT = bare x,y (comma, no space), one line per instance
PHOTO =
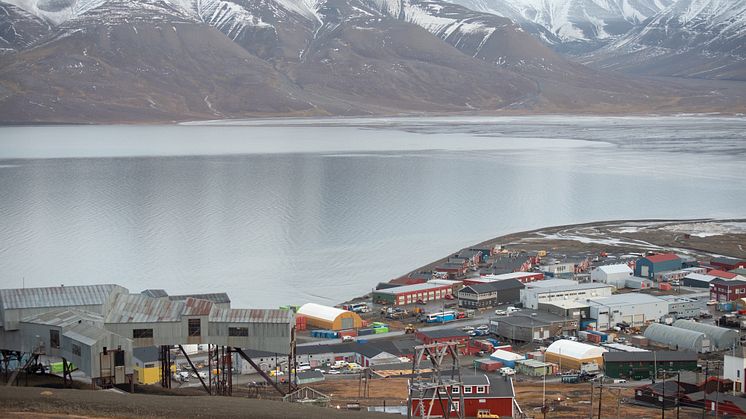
691,38
580,24
136,60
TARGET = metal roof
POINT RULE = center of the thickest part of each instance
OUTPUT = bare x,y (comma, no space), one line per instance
217,297
682,339
196,307
577,350
720,337
625,299
155,293
491,286
246,315
138,308
412,288
86,334
70,296
662,257
647,356
615,269
506,355
64,318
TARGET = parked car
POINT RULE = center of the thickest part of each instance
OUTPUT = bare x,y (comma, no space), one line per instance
501,313
467,329
483,327
449,297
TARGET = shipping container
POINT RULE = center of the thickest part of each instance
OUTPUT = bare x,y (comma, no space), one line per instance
664,286
364,332
594,338
587,324
349,332
638,340
725,306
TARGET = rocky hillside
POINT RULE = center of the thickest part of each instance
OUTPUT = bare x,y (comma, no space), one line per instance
160,60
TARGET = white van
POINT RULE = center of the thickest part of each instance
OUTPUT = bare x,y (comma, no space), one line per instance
512,309
506,371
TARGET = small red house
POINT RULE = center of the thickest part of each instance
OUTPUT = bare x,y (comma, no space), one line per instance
493,396
722,290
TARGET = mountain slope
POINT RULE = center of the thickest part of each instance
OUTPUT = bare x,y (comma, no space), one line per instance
572,25
692,38
19,29
141,61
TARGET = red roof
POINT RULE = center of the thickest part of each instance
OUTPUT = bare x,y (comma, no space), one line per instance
662,257
721,274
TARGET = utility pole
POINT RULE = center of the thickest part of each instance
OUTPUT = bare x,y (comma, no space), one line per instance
600,397
591,412
663,396
678,386
707,371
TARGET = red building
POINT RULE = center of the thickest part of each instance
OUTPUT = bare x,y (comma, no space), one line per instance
444,335
728,264
722,274
722,290
524,277
493,396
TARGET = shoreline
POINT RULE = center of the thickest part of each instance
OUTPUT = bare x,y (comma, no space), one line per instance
534,240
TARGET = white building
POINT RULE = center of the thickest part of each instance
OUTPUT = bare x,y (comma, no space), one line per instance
561,290
616,275
634,309
734,368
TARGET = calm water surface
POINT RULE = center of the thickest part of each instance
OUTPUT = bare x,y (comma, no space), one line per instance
279,212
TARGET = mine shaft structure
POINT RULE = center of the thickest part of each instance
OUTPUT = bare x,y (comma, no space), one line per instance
426,391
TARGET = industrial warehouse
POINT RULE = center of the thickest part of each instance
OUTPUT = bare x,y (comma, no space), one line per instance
97,327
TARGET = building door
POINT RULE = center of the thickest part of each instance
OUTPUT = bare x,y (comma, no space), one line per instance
347,323
644,272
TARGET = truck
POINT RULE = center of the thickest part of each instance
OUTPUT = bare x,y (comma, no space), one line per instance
409,329
441,317
357,307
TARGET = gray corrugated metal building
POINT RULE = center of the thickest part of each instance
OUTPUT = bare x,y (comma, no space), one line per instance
677,338
720,337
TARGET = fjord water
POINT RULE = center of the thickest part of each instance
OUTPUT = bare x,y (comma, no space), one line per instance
278,212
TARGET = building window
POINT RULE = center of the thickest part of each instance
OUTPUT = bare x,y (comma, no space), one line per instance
454,389
454,406
195,327
76,350
54,338
238,331
142,333
467,389
481,389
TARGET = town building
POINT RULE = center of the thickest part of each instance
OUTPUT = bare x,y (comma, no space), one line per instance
567,309
524,277
490,293
482,396
664,393
681,307
678,339
727,276
528,325
331,318
452,270
616,275
697,280
652,266
147,365
637,283
633,309
96,327
724,291
553,290
734,369
718,403
410,294
507,358
533,368
557,269
571,355
728,264
720,337
644,365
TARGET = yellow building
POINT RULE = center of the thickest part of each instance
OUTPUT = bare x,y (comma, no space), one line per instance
330,318
571,355
147,368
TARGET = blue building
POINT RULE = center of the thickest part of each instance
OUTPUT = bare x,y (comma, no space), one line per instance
652,266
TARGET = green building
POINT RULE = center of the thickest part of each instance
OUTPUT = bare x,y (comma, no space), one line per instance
642,365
